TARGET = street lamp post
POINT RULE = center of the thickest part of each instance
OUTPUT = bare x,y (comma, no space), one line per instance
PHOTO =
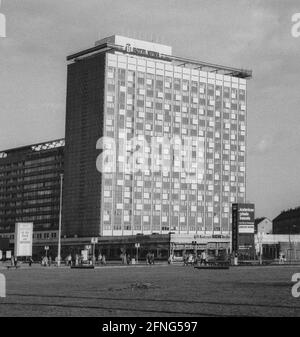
137,246
293,226
59,226
259,238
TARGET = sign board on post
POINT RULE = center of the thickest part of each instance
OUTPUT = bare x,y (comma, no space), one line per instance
137,245
23,239
242,226
94,240
84,254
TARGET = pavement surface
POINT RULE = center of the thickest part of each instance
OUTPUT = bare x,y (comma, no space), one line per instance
156,290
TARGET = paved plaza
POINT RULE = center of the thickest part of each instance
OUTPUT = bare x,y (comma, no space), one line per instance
159,290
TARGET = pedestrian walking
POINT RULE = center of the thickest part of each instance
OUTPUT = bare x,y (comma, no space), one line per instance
203,258
148,258
152,258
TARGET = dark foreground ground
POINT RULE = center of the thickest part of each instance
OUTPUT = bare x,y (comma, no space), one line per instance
150,291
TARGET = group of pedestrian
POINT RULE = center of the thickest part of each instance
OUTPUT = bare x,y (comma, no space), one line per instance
102,259
192,259
188,259
46,261
14,261
150,258
282,258
125,258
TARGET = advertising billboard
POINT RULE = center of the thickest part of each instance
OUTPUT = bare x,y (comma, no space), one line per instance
243,216
23,239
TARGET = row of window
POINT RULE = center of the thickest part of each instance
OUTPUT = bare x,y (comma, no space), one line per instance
45,235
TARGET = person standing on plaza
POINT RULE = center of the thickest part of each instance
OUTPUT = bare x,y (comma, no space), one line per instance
148,258
152,258
70,260
203,258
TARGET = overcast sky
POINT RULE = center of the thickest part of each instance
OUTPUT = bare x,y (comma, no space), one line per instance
248,34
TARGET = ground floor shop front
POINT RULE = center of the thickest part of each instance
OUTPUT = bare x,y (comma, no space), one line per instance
136,246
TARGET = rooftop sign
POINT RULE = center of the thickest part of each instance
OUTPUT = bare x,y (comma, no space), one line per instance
137,46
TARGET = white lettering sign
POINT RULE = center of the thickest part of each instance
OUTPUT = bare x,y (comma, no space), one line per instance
23,239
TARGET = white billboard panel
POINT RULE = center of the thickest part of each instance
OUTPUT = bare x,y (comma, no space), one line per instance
23,238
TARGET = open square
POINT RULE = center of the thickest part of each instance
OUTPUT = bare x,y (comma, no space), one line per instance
158,290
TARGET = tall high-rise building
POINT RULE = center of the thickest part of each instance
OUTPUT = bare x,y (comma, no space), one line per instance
173,156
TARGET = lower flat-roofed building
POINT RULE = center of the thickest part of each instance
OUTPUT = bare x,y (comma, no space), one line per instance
274,246
30,188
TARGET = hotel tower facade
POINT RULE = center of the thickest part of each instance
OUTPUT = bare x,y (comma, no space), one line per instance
155,143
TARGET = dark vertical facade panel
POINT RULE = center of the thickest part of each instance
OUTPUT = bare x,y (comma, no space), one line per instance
84,126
